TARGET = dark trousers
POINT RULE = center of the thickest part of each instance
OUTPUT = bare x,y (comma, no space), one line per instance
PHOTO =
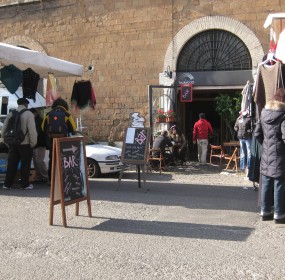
17,153
180,155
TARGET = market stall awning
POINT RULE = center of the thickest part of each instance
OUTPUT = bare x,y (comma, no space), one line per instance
41,63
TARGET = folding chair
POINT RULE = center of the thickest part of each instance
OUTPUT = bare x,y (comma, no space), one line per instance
154,158
233,158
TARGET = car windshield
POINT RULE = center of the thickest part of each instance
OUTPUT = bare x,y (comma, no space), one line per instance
88,139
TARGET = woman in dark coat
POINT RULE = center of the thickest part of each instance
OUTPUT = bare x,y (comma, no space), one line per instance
270,132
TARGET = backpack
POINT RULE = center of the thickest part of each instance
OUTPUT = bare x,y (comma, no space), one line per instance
56,123
14,134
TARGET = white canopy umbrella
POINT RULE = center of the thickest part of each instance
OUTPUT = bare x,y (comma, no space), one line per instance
39,62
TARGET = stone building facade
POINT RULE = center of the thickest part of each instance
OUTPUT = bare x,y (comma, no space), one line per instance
129,43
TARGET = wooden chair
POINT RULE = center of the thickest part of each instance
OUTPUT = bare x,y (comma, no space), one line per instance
152,157
217,152
233,158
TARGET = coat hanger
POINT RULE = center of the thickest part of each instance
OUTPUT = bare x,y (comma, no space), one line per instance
270,58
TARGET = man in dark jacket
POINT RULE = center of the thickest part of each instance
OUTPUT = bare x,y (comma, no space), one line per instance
270,131
22,152
244,134
162,141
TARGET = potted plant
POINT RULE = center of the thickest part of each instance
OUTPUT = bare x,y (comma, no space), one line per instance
160,116
171,116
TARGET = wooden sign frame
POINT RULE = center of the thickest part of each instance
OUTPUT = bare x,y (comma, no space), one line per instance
186,93
69,176
136,145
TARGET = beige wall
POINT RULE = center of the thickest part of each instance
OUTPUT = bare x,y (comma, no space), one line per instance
126,41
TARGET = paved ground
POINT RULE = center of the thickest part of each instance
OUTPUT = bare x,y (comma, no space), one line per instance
193,223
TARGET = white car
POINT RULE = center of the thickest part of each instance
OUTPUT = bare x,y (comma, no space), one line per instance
102,159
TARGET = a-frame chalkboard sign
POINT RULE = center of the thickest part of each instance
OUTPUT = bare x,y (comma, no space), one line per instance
136,145
135,149
69,179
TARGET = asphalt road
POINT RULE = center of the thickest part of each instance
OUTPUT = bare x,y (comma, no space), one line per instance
194,223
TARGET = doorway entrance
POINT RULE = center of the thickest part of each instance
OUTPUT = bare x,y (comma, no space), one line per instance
203,102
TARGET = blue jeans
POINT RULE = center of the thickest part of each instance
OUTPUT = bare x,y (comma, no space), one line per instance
245,153
273,189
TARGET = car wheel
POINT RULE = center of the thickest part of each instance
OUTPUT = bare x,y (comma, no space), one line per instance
93,168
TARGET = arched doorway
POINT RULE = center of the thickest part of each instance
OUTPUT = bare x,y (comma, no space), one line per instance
217,55
210,55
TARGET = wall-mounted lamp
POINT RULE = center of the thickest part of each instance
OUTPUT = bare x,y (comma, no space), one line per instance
168,73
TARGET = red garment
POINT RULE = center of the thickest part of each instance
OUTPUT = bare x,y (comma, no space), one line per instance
202,129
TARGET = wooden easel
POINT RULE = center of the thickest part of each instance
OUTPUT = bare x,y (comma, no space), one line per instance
69,180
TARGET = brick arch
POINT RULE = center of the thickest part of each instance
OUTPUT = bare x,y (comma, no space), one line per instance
213,22
25,41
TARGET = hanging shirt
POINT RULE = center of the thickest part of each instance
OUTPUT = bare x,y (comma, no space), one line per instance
269,78
11,77
51,93
83,95
30,83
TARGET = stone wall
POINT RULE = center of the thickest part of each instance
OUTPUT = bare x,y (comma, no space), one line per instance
126,41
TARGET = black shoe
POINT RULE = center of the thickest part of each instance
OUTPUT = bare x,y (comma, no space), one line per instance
267,217
279,221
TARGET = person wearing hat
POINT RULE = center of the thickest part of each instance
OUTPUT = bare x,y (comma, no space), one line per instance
244,134
22,152
201,132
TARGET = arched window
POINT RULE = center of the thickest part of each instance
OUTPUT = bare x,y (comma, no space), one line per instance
214,50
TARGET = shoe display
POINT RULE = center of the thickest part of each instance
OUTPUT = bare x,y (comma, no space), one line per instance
279,221
29,187
6,188
267,218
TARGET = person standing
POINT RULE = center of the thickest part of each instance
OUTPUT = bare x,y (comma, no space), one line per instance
57,123
201,132
39,151
21,152
270,132
244,134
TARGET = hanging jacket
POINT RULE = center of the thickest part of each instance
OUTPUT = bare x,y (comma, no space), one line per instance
270,132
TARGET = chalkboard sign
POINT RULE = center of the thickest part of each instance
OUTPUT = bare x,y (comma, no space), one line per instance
69,182
186,93
136,145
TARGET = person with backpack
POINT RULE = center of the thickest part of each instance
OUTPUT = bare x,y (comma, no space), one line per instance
19,133
57,123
